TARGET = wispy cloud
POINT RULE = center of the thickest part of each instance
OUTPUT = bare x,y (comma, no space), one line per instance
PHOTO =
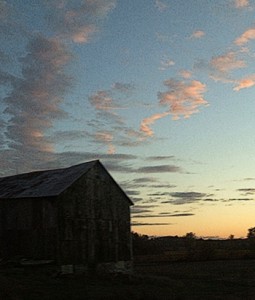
227,62
198,34
160,5
164,215
77,23
179,198
241,3
247,191
149,224
147,122
102,100
166,63
244,38
33,104
185,74
160,169
245,83
123,87
107,104
160,157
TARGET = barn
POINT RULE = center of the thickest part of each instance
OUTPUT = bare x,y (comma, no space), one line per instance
78,217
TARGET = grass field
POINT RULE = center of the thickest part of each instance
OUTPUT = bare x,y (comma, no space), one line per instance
179,280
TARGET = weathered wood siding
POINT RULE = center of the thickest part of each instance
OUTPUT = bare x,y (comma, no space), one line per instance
94,220
28,228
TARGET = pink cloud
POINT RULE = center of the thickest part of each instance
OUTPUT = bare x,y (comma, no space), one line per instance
245,37
183,98
145,124
227,62
245,83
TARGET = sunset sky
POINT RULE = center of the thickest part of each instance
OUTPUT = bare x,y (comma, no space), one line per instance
161,91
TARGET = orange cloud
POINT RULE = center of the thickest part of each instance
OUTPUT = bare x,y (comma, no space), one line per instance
183,98
245,83
245,37
83,34
241,3
145,128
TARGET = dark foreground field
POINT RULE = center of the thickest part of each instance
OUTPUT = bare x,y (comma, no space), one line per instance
179,280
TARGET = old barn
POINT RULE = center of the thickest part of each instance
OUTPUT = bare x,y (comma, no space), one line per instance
77,216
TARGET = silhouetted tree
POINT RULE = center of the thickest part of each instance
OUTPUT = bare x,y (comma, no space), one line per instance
190,235
251,233
231,237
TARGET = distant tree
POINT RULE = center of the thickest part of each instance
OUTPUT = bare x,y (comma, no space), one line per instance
190,235
231,237
251,233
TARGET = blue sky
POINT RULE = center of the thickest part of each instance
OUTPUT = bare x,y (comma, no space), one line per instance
161,91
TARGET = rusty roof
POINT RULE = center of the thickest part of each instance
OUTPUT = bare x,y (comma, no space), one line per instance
46,183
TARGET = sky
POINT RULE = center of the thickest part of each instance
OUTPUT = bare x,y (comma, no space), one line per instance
161,91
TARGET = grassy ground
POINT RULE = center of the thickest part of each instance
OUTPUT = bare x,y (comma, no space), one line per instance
180,280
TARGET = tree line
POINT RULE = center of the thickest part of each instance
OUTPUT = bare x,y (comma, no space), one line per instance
191,247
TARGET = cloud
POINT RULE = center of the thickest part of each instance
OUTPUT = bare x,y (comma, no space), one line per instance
144,180
145,124
77,22
227,62
102,100
183,97
197,34
160,157
247,191
241,3
240,199
107,104
245,83
160,169
185,74
179,198
244,38
34,101
149,224
34,98
160,5
165,215
166,64
123,87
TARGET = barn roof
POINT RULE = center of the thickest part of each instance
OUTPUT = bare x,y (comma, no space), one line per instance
42,183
